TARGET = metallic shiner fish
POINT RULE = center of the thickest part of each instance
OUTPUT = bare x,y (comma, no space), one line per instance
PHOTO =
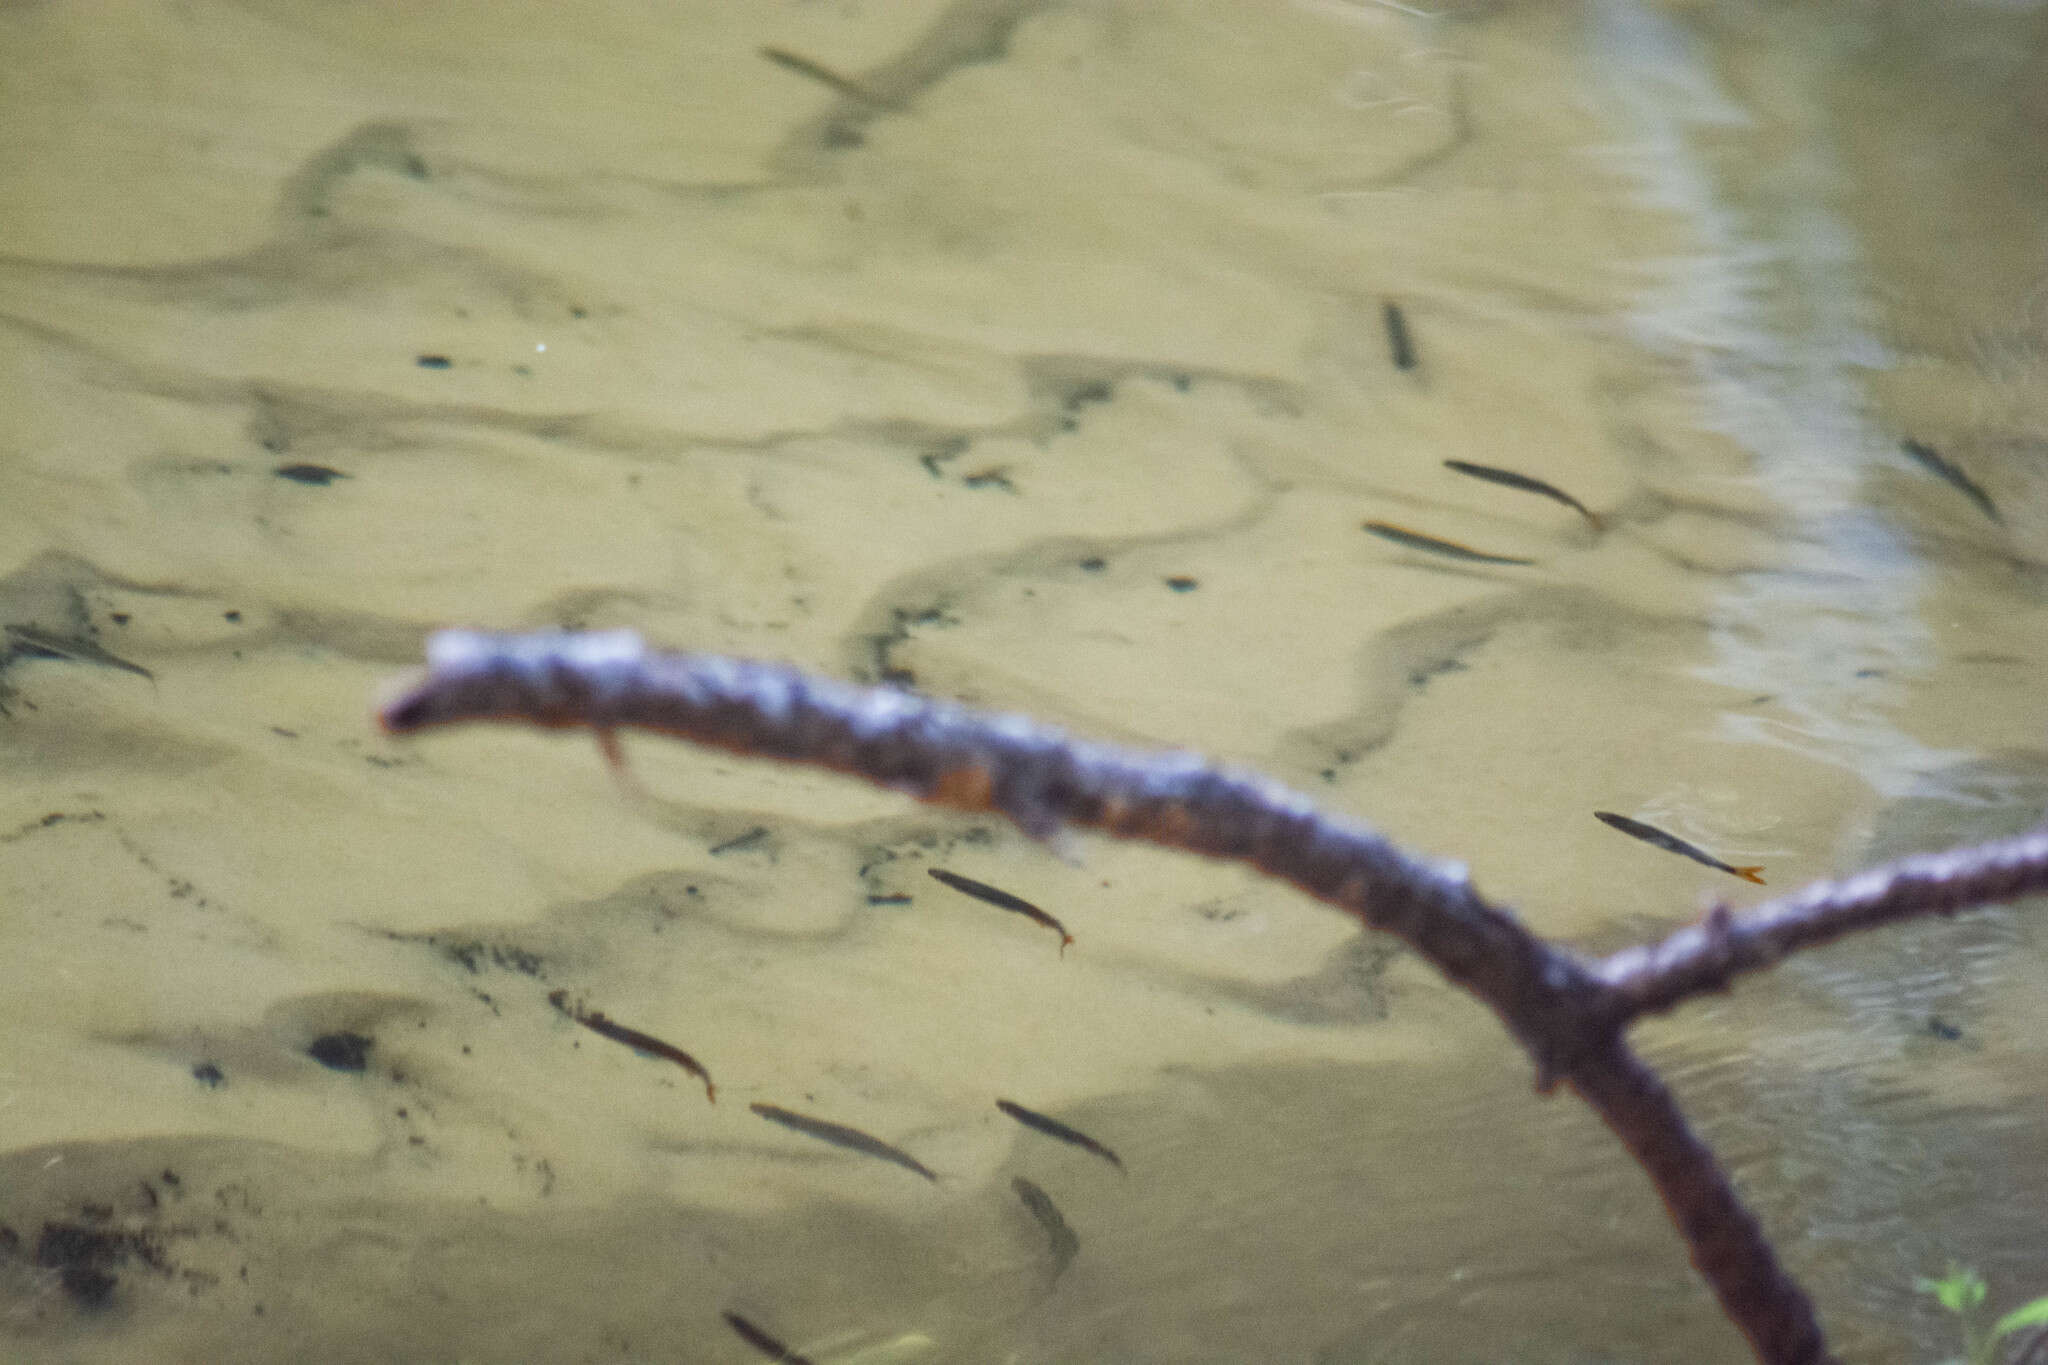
1932,460
838,1134
1002,899
763,1341
37,642
1450,549
646,1044
1400,345
1508,478
1052,1127
825,76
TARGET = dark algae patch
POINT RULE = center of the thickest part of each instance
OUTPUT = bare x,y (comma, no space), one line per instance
85,1258
473,955
51,821
342,1051
86,1250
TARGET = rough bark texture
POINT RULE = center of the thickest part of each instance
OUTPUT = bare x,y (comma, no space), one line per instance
1567,1014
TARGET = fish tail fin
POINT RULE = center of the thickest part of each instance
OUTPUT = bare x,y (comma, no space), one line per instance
1750,874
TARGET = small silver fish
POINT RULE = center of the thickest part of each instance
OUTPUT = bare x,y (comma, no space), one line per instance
839,1135
1002,899
762,1340
1508,478
1052,1127
646,1044
36,640
1450,549
1931,460
1400,345
825,76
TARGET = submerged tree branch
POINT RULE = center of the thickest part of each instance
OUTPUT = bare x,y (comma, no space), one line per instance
1566,1013
1727,1244
1707,956
1043,780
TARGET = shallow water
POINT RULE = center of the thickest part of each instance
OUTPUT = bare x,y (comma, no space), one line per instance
1039,356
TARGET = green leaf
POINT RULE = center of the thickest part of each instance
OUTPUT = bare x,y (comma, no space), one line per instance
2032,1315
1959,1291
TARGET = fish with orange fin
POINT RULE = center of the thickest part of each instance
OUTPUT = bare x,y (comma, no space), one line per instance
1671,843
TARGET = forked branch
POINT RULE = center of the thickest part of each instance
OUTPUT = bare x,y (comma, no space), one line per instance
1568,1014
1708,955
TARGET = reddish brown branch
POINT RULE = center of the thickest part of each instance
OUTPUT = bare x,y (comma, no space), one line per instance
1038,777
1727,1245
1706,956
1567,1015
